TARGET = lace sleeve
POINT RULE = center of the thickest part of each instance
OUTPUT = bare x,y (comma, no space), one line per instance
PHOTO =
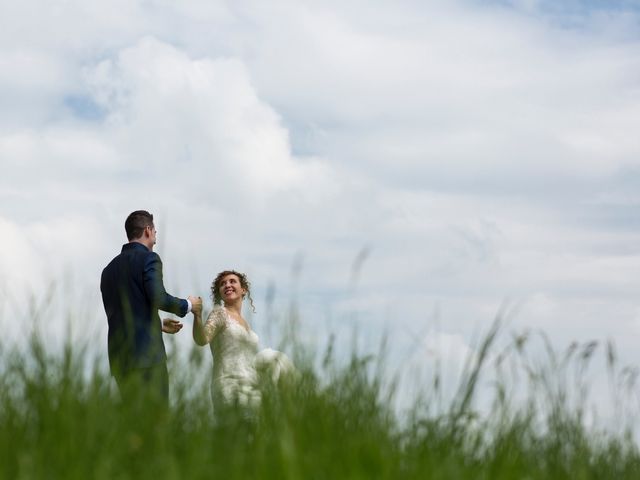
215,322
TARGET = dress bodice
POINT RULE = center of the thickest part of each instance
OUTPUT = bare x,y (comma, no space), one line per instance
237,363
234,349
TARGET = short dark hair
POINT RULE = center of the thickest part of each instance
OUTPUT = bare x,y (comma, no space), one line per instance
136,223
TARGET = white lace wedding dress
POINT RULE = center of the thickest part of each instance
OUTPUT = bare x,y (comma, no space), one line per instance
238,365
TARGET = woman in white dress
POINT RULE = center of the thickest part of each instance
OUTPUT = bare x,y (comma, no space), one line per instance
238,366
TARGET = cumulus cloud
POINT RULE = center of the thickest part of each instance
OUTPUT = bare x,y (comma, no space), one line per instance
165,110
461,96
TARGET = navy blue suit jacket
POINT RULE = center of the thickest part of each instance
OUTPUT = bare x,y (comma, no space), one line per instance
132,293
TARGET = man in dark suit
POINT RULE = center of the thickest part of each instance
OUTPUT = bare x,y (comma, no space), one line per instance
132,293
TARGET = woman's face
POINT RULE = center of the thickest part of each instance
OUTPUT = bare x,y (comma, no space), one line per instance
230,288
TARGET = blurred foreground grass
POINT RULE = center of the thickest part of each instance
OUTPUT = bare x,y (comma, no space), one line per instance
61,419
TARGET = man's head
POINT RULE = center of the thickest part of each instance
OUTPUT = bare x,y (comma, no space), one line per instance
140,228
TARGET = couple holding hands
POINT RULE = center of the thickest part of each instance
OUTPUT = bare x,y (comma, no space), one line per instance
133,292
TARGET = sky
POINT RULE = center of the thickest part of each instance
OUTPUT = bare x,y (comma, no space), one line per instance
403,168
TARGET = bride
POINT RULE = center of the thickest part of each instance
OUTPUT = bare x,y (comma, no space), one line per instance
238,366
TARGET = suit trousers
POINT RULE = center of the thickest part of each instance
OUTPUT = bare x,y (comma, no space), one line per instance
144,384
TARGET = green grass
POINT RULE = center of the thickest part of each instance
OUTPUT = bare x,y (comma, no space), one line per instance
60,418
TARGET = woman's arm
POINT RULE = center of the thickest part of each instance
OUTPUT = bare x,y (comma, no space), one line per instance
203,333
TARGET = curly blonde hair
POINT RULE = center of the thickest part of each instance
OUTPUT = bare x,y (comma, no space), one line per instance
244,282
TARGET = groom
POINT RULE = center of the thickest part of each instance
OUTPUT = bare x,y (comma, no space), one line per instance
132,293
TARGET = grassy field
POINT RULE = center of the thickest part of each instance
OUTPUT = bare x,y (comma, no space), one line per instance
61,419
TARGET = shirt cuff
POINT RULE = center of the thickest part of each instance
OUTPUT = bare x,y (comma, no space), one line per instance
189,306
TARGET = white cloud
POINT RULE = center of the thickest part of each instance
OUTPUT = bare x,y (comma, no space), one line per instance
165,109
457,92
17,259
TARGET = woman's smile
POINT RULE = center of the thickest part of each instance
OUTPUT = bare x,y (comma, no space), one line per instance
230,287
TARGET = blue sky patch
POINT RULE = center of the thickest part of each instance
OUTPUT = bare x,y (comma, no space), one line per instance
84,107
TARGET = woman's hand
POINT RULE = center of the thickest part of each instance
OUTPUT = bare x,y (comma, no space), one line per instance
169,325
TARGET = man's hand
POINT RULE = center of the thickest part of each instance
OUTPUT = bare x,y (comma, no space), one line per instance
196,305
169,325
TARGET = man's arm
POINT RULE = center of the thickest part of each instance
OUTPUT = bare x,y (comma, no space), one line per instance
154,287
